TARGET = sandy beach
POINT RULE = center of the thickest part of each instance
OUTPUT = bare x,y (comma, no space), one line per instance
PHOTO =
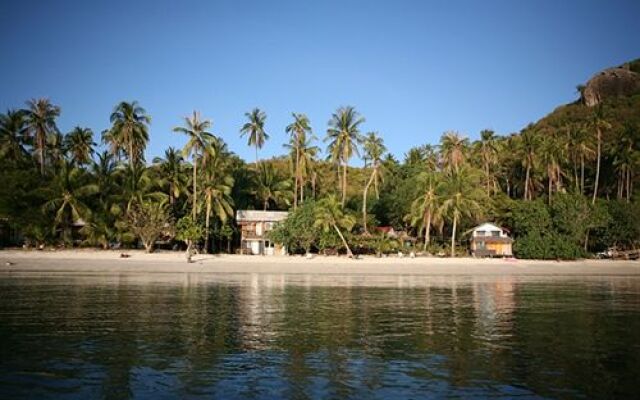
109,262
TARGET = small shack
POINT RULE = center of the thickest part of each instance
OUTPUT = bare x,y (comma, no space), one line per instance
489,240
254,226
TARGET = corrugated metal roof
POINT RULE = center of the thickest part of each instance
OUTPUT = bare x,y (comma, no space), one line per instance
256,216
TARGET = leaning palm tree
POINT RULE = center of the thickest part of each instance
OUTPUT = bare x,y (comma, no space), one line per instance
254,129
598,123
67,194
462,196
130,130
270,187
79,143
298,130
199,141
343,136
41,117
453,147
329,215
374,149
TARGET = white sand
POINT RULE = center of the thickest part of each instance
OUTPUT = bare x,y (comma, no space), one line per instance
82,262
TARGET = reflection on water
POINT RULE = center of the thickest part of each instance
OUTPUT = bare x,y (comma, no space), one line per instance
299,336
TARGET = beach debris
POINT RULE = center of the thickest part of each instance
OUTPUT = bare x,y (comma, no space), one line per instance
124,255
9,263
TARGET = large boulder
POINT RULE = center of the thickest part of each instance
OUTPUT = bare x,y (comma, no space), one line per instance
612,82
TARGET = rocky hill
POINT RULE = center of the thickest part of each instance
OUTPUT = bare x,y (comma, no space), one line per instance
612,82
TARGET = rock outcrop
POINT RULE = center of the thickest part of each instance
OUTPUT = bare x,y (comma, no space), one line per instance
612,82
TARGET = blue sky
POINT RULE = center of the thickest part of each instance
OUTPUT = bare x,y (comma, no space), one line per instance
414,69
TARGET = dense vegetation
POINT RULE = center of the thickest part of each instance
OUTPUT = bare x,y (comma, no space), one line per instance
564,186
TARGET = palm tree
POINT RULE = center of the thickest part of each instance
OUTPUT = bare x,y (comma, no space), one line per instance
308,164
79,143
453,148
344,135
270,186
329,215
41,120
424,209
199,141
67,193
598,123
13,132
254,129
462,196
374,149
489,155
129,130
216,191
56,146
298,130
172,173
578,145
529,144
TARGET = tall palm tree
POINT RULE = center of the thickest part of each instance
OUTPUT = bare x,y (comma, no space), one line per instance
67,194
329,215
453,148
199,141
129,130
462,196
374,149
343,135
598,123
298,130
41,117
580,149
216,191
424,209
269,186
79,143
489,157
529,145
308,165
13,132
553,152
254,129
172,173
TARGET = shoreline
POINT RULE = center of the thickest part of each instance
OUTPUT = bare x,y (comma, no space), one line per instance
108,262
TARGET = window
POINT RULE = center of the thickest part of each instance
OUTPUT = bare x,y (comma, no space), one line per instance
495,233
481,245
480,233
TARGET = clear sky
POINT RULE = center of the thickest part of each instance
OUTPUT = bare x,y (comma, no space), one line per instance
414,69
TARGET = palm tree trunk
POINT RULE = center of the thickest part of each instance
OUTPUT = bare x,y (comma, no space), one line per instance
266,204
526,183
427,231
206,225
582,174
595,186
256,156
364,200
349,253
453,236
344,184
195,187
41,144
297,173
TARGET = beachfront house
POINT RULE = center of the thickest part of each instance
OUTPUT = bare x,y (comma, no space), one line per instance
489,240
254,226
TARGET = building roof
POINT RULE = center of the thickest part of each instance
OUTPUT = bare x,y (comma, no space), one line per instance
487,226
260,216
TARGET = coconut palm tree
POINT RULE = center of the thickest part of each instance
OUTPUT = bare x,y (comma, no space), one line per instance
453,148
41,120
308,165
528,147
298,129
374,149
216,192
424,209
129,130
329,215
270,187
488,151
462,196
79,143
579,146
199,141
598,123
67,194
13,132
343,136
172,173
254,129
552,155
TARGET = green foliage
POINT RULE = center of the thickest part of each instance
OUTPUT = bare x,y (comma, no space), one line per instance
189,231
298,232
149,220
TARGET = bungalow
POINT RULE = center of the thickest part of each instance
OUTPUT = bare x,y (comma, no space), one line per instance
254,226
490,240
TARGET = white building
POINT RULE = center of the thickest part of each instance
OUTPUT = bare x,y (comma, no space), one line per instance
490,240
254,226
